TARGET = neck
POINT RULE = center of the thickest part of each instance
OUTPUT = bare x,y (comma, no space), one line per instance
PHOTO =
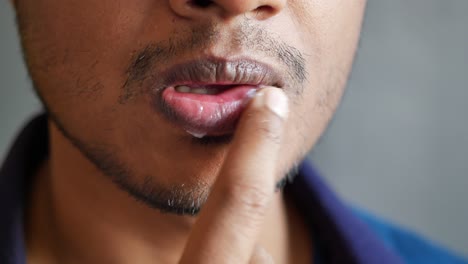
83,217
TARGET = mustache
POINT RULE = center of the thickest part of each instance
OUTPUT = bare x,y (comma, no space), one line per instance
153,56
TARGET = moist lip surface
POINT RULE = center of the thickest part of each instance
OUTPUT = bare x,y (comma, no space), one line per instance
207,96
208,114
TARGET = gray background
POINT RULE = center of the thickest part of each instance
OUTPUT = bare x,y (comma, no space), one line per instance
399,143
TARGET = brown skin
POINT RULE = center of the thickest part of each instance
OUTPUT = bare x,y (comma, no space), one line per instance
78,53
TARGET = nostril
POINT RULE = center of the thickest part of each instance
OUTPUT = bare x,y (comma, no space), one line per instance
201,3
264,8
263,12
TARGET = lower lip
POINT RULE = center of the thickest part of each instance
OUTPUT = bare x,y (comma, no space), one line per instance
206,115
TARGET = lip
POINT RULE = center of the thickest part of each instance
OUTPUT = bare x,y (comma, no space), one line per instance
212,115
222,72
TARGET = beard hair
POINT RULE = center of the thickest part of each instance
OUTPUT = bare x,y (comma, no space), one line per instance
182,199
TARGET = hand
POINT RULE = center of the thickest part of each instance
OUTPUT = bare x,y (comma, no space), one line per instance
228,226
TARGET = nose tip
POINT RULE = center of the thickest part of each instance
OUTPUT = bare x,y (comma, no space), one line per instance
226,9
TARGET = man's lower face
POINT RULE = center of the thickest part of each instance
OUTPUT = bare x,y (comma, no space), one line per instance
150,91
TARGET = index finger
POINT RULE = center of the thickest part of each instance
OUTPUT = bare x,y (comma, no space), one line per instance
228,225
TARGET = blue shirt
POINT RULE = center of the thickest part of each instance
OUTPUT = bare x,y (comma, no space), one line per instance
341,233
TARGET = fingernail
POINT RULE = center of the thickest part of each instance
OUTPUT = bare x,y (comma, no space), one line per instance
275,99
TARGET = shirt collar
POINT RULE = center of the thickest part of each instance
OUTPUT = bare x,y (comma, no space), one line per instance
26,153
343,237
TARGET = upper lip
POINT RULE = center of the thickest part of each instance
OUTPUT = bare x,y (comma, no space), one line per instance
209,71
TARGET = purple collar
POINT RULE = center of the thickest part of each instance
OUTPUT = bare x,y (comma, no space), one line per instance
342,237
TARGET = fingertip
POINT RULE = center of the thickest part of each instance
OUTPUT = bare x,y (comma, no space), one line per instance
260,255
273,99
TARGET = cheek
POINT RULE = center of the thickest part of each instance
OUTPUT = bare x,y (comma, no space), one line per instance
73,45
331,27
78,52
331,30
